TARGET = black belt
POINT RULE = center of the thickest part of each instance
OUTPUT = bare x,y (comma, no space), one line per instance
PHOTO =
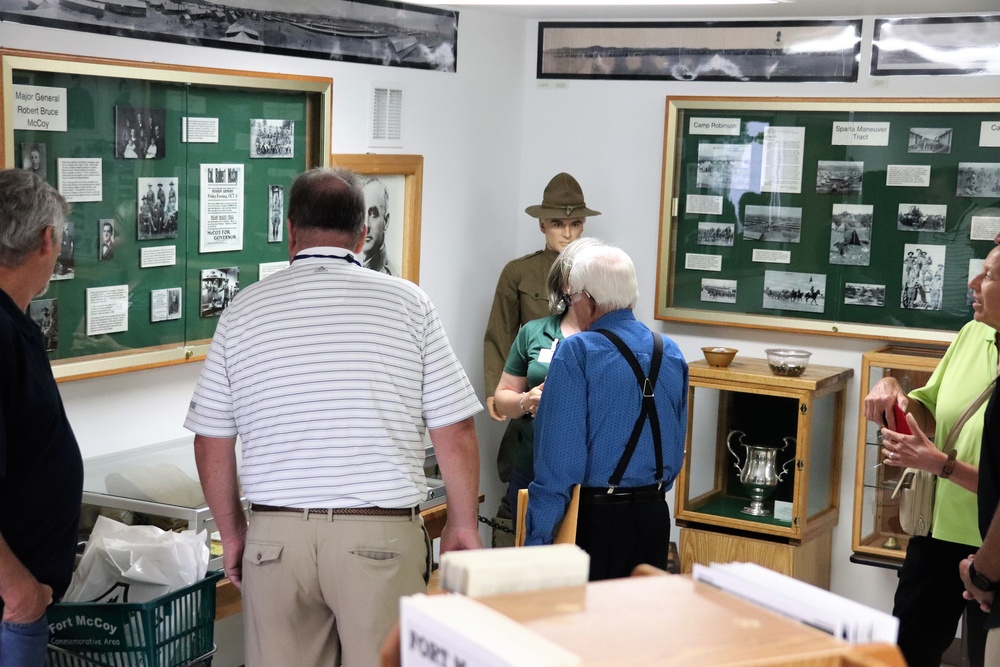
598,495
356,511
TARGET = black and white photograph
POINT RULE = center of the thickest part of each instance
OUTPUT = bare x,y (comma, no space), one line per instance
851,234
788,290
165,304
275,213
218,287
272,138
923,276
692,51
922,217
724,166
139,133
978,179
33,158
383,247
65,268
157,205
384,33
106,240
929,140
839,178
718,291
864,294
772,223
45,313
716,233
936,45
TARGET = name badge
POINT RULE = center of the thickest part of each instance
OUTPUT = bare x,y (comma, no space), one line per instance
545,356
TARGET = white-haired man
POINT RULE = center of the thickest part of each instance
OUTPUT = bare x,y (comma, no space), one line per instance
612,418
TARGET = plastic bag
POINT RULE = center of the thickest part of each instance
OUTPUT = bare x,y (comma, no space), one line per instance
137,563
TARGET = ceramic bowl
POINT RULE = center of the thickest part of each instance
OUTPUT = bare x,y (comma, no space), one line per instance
719,356
787,363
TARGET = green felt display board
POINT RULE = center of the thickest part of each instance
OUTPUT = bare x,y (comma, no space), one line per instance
94,99
877,253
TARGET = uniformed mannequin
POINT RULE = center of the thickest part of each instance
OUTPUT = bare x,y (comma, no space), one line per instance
521,295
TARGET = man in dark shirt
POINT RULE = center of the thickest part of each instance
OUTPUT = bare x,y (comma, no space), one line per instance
41,474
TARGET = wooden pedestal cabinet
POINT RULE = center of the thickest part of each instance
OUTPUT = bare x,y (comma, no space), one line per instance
802,419
877,538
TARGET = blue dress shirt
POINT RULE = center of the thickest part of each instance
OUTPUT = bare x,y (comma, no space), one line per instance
587,411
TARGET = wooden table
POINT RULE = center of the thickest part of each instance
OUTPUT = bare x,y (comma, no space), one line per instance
229,602
671,620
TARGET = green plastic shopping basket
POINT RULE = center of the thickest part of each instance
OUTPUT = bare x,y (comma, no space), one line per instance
174,629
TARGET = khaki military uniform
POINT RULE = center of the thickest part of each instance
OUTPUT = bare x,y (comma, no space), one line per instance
521,296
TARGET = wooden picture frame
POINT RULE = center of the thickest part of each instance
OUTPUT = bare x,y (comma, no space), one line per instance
93,88
402,176
798,215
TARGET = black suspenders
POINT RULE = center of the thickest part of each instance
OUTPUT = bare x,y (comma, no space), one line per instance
648,410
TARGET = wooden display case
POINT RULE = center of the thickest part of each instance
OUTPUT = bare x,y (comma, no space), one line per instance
806,413
877,538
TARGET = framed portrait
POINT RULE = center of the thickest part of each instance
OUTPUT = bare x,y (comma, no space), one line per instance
393,185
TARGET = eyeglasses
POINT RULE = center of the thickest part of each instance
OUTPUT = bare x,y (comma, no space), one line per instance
583,291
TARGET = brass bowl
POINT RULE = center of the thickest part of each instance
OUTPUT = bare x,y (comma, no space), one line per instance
719,357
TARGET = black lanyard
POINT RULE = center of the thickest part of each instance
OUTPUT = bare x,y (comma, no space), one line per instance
349,258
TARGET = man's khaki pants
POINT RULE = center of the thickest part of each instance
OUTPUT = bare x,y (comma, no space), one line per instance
324,589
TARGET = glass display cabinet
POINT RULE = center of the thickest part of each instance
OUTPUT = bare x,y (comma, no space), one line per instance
877,538
761,474
158,485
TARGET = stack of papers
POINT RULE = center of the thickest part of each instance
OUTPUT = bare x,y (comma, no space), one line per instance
452,630
482,572
836,615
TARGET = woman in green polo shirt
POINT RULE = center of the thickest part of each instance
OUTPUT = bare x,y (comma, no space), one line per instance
520,386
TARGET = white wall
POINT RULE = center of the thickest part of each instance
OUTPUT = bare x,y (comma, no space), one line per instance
491,138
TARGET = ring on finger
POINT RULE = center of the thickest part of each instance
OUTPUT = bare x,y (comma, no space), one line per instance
892,455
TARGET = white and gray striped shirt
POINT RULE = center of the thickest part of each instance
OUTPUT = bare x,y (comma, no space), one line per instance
330,374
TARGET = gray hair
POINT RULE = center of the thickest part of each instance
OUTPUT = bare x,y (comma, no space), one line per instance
27,206
558,278
607,274
328,199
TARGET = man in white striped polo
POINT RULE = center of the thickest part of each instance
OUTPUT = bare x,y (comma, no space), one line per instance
329,374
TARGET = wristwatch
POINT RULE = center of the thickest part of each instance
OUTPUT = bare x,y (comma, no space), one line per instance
949,465
981,582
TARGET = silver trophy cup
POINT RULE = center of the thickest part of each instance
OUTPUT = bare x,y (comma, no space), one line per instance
758,474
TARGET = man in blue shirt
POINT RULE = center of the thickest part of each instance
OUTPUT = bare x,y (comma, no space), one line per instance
612,418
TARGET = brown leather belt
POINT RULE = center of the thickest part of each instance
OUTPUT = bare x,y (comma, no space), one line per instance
356,511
